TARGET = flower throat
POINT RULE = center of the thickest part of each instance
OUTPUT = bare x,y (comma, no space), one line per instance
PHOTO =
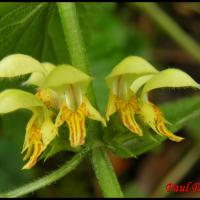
73,97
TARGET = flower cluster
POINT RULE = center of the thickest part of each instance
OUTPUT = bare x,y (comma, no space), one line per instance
61,97
61,89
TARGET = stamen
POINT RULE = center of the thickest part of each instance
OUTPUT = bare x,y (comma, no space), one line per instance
120,87
73,97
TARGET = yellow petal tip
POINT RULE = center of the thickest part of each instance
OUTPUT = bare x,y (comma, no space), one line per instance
176,138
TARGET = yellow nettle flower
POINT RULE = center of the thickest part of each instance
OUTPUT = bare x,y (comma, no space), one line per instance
121,98
48,97
71,85
19,64
40,130
151,114
38,77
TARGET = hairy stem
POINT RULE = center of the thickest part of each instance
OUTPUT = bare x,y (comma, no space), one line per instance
48,179
73,36
105,174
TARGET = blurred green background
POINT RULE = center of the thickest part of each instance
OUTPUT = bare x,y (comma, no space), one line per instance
111,32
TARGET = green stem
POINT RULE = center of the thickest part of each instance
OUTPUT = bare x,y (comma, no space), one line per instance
105,174
48,179
73,36
178,172
76,48
171,27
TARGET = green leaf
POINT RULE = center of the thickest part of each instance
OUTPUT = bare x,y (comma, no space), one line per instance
185,109
15,36
60,143
55,50
121,150
5,7
23,29
56,146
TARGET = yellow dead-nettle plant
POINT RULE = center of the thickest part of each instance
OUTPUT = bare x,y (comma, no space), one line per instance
121,98
40,129
60,87
151,114
71,85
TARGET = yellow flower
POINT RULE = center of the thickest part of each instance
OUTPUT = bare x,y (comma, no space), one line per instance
150,113
71,86
121,98
61,87
48,97
40,130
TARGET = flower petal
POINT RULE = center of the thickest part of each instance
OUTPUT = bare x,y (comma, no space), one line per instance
92,113
37,150
139,82
19,64
62,115
48,132
48,97
153,117
127,111
76,124
65,75
28,132
13,99
131,65
37,78
111,107
28,153
169,78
